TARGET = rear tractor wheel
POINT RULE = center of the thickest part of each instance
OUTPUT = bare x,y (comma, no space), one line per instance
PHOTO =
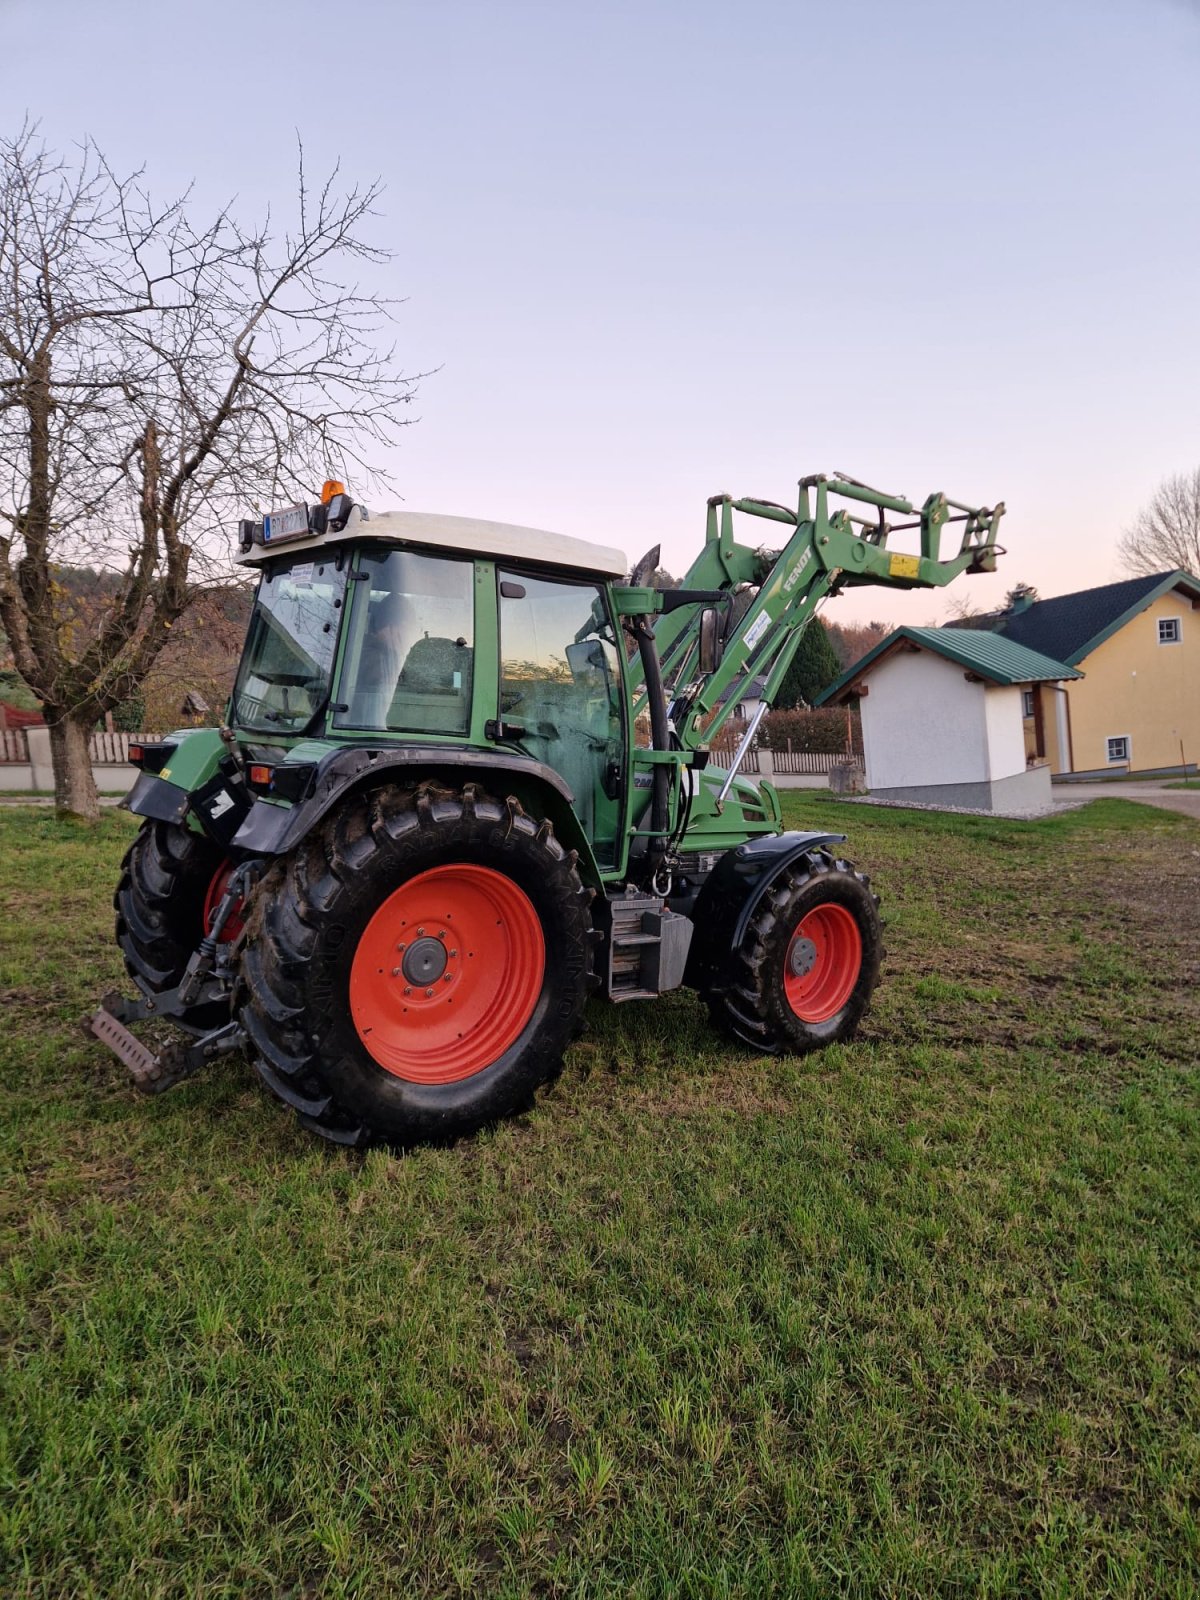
417,968
808,961
171,882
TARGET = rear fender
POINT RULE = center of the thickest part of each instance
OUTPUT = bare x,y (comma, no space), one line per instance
272,829
733,892
198,786
154,797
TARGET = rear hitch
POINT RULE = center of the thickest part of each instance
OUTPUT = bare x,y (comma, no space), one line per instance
206,980
153,1073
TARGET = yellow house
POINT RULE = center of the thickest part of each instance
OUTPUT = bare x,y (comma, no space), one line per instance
1137,709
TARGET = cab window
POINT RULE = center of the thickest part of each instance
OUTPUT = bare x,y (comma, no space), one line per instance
561,695
409,660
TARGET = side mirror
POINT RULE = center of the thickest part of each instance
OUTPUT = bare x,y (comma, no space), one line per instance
585,658
593,662
711,646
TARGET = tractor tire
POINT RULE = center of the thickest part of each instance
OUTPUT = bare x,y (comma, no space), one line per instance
804,972
162,899
416,968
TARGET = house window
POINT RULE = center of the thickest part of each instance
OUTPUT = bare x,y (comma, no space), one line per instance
1026,702
1118,748
1168,630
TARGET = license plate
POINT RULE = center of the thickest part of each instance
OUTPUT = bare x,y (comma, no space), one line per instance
289,523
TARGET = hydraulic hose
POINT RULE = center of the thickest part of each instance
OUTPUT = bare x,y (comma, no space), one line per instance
660,739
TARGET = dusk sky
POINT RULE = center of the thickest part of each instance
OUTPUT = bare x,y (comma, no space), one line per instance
660,250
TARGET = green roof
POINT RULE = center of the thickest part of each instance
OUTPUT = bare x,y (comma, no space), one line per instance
990,655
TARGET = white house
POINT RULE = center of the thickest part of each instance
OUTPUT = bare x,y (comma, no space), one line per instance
942,718
748,705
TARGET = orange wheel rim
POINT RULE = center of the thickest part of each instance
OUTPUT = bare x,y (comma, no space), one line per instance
447,974
236,919
822,964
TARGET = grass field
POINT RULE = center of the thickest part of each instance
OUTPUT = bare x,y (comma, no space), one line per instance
916,1317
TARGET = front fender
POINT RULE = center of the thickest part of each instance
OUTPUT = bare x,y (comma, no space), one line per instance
733,892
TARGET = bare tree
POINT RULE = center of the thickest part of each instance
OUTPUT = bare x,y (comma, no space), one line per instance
964,613
160,377
1165,533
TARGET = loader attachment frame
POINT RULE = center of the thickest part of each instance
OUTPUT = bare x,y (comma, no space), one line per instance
826,551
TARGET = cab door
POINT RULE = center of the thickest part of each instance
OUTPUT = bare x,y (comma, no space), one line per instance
561,694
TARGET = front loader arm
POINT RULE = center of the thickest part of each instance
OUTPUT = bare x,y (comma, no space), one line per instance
826,551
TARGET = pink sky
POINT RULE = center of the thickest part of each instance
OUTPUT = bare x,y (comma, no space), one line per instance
661,249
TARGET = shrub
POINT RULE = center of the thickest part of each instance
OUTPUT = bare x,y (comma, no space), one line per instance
820,732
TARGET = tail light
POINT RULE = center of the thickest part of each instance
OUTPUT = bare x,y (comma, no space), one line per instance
150,757
281,783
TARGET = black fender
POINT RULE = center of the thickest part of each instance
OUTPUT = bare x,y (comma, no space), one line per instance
220,805
732,893
271,829
155,797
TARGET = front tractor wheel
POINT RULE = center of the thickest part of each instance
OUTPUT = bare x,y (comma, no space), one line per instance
808,961
417,968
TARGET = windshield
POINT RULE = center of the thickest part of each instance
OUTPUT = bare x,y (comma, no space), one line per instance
284,676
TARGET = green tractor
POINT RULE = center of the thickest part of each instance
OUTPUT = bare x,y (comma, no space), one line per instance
466,782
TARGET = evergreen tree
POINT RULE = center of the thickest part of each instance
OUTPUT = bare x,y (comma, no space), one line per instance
814,667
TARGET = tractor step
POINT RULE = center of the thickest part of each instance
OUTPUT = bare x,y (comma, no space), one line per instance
647,947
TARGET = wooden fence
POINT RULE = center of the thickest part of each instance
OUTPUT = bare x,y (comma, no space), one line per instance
105,749
807,761
724,747
788,763
14,746
111,749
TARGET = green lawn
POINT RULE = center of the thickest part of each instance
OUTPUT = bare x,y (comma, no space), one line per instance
916,1317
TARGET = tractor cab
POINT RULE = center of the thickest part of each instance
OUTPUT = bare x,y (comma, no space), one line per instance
414,629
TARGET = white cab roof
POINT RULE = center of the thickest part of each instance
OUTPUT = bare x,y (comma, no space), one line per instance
467,534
